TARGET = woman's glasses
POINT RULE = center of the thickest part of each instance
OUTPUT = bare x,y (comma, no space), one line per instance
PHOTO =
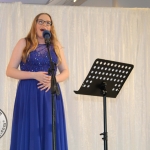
41,22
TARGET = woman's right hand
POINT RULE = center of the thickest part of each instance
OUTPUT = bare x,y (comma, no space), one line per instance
42,77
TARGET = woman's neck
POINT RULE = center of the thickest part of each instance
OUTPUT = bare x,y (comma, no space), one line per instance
41,40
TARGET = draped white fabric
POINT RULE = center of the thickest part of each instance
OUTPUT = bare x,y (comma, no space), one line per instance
87,33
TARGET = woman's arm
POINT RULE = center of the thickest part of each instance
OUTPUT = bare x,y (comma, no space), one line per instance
63,68
12,68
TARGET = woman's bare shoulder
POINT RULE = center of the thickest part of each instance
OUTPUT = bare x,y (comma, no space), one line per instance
22,42
20,45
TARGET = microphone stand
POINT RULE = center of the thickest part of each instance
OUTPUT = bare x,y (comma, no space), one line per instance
54,91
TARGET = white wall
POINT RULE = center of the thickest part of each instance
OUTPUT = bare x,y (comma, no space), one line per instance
26,1
134,3
98,3
118,3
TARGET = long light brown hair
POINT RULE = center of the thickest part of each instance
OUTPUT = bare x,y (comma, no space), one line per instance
32,42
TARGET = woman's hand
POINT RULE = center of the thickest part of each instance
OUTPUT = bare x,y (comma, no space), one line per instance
46,86
44,80
42,77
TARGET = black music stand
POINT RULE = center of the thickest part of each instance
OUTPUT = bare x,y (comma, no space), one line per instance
105,79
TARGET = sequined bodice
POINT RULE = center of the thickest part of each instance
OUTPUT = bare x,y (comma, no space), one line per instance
38,59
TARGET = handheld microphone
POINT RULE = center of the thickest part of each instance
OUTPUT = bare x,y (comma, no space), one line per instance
46,36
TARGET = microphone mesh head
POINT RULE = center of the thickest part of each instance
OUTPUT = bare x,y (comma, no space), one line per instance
46,34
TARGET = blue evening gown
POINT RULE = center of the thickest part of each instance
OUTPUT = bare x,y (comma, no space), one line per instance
32,116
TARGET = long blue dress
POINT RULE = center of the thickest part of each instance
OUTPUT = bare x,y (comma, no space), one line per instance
32,116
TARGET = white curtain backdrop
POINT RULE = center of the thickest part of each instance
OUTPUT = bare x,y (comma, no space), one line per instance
87,33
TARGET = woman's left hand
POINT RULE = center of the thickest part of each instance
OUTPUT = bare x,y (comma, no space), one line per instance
43,86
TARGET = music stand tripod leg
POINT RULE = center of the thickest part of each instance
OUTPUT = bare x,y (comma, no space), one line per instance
104,92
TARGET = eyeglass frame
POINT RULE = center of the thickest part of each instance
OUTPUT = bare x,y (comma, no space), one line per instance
44,22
